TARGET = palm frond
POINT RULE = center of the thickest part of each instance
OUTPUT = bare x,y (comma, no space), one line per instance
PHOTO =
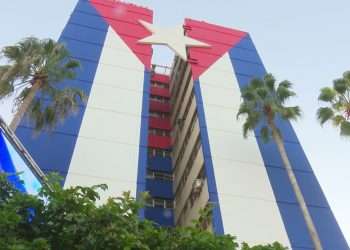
338,105
270,82
44,64
327,94
290,113
247,127
324,114
248,95
345,128
48,46
256,83
346,76
35,114
3,70
341,86
263,102
262,93
6,81
337,120
6,89
286,84
265,134
50,117
72,64
22,95
244,109
284,92
253,119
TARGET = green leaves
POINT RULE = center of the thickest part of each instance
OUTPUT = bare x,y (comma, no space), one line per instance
265,134
345,128
75,219
283,91
72,64
290,113
324,114
263,102
6,89
251,122
327,94
340,86
45,64
338,100
274,246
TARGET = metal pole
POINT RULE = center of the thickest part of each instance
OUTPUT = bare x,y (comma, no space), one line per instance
24,153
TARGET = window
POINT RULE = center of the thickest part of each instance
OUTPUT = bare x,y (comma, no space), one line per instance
163,176
158,115
156,175
153,152
158,202
159,132
160,85
159,99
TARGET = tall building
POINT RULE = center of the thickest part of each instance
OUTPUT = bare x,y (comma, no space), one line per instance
173,131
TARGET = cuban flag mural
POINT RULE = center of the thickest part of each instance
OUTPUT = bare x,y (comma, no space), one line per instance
107,140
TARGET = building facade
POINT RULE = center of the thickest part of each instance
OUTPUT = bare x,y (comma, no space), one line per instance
175,134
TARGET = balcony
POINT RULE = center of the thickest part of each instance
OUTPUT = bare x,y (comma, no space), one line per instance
159,123
160,92
162,142
162,216
162,164
159,107
160,188
161,78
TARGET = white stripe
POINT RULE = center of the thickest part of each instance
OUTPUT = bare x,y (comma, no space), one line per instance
108,143
248,206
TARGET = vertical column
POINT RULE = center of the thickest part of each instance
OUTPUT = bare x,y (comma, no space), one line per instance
159,177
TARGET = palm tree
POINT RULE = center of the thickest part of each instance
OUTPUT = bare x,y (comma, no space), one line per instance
34,70
264,102
338,98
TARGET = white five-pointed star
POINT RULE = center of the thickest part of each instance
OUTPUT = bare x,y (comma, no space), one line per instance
174,38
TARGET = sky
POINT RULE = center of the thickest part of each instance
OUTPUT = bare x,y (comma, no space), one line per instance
306,42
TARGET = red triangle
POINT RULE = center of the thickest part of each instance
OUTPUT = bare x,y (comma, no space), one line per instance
124,19
220,39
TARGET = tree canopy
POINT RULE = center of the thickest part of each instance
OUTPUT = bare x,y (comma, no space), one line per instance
337,99
39,66
263,102
71,219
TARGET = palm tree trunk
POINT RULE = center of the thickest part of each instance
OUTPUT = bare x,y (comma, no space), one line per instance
300,198
24,106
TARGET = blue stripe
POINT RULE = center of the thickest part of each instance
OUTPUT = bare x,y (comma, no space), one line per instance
7,166
142,164
53,150
208,162
247,66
